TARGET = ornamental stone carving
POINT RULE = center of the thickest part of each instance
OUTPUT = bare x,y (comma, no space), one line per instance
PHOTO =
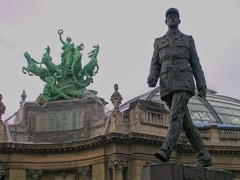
2,173
84,171
116,97
2,107
35,174
117,165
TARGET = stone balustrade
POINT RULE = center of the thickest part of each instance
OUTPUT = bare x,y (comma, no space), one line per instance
215,135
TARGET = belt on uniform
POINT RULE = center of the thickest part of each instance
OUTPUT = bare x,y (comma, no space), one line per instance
174,61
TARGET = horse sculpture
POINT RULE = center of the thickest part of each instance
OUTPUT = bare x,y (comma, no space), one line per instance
89,68
70,78
47,61
34,69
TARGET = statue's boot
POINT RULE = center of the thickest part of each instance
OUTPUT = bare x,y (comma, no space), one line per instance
195,139
162,155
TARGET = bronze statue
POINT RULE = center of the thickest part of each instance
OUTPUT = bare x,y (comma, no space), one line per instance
32,68
175,62
89,68
68,50
47,61
67,80
77,64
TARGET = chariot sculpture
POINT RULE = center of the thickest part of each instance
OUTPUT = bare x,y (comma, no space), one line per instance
69,79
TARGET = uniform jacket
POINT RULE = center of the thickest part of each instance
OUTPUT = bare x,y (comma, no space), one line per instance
176,62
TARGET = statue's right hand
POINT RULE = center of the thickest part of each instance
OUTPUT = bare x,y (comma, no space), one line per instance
60,31
151,83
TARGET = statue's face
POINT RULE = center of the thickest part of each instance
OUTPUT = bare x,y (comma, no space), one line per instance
116,87
172,20
69,39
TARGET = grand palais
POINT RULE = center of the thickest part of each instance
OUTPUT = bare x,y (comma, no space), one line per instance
80,140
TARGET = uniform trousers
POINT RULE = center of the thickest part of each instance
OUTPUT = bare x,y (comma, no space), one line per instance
180,119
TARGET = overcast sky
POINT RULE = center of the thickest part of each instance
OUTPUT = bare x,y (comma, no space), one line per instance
125,31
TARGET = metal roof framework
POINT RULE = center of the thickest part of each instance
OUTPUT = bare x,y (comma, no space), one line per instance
217,109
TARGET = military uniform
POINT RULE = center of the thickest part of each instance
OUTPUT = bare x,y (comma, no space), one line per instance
175,62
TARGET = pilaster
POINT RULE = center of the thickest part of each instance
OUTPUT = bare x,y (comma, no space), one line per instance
17,174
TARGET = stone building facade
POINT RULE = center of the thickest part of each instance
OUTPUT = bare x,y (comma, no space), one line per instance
118,149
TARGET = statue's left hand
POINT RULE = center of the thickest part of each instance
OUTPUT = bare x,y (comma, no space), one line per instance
202,92
151,82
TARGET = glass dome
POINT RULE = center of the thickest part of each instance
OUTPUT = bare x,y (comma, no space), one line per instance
217,109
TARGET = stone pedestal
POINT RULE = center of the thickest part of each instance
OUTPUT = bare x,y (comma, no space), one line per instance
117,123
58,121
168,171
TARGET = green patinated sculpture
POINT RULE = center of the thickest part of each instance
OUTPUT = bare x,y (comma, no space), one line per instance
89,68
67,80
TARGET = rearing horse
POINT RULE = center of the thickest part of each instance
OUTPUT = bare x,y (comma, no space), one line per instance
89,68
34,69
47,61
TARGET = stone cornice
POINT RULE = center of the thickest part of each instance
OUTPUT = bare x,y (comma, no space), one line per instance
102,141
149,105
213,149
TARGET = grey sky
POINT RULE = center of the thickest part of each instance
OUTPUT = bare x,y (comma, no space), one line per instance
125,31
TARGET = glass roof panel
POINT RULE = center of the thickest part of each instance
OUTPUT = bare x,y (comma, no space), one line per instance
217,107
202,117
228,109
198,110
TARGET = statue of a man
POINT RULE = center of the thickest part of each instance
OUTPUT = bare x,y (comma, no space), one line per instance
116,97
175,62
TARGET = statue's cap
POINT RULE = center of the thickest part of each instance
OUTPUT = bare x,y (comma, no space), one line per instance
172,10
